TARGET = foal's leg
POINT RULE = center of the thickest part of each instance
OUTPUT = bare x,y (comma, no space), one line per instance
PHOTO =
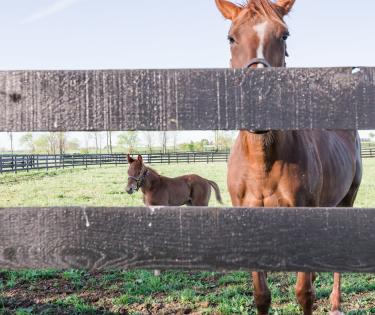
305,291
262,294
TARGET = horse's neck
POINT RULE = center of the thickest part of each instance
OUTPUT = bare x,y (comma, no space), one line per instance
260,149
150,180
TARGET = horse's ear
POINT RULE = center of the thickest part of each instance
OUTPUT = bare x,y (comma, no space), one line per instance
285,6
140,159
130,159
228,9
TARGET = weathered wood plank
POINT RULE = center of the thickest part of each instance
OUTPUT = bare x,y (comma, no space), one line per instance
187,99
192,238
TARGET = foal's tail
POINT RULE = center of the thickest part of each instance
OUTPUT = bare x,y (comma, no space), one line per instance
217,191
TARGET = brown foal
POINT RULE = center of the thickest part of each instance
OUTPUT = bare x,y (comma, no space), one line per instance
285,168
190,190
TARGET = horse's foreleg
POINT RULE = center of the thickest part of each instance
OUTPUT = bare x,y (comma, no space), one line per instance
305,292
262,294
336,295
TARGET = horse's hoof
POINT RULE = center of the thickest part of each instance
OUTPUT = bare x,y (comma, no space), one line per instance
336,313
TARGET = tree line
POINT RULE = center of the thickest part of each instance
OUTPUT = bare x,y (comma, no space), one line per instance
110,142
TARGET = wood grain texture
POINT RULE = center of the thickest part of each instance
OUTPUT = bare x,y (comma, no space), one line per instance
190,238
187,99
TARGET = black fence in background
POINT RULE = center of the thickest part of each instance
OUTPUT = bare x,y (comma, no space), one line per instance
368,152
27,162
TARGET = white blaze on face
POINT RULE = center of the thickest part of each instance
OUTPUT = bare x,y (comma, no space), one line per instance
261,29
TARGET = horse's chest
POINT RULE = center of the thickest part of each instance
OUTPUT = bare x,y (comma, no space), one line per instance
274,189
269,196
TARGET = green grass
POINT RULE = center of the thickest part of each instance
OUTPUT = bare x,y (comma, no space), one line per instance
93,186
139,292
105,186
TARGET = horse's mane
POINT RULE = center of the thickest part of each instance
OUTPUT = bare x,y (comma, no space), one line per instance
266,9
151,170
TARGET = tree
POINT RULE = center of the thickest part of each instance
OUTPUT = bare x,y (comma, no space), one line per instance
175,137
149,137
47,143
10,134
225,140
128,139
27,141
371,135
98,142
72,145
164,140
88,136
53,142
41,144
216,141
62,142
109,142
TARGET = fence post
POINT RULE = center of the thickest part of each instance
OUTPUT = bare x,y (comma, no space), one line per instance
55,161
1,165
47,158
73,160
100,160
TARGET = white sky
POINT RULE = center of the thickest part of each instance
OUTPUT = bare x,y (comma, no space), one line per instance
97,34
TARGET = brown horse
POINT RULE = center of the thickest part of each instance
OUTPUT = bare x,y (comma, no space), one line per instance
285,168
190,190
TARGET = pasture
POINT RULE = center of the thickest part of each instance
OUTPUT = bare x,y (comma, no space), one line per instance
139,292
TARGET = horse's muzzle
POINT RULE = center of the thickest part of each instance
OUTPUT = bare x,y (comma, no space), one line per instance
130,190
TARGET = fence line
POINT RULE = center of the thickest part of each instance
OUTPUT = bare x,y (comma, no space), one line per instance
27,162
16,163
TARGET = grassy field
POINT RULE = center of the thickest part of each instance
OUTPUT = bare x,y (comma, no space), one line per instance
93,186
139,292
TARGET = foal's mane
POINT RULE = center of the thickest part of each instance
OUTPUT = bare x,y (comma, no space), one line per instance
150,169
265,9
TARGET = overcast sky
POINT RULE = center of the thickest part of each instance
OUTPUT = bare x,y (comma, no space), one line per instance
98,34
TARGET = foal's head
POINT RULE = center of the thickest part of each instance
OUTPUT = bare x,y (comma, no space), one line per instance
258,33
136,174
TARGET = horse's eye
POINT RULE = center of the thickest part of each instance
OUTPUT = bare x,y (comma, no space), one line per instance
231,40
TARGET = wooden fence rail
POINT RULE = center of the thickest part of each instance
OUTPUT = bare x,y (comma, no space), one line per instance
278,239
322,98
293,239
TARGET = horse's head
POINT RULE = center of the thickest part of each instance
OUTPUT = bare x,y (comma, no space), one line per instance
258,32
136,174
